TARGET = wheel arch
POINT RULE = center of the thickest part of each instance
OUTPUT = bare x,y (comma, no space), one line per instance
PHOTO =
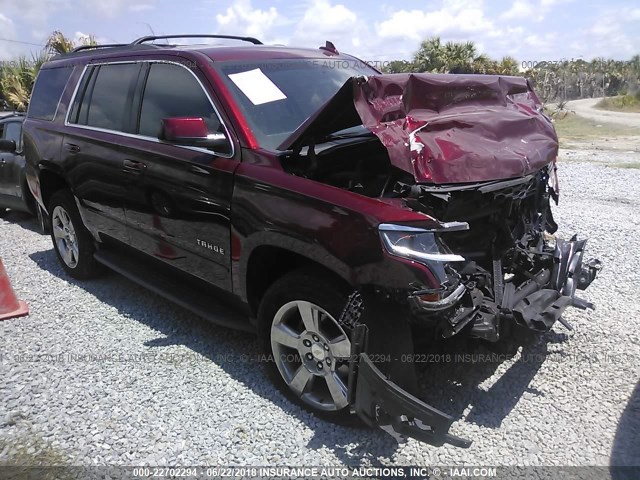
268,263
50,182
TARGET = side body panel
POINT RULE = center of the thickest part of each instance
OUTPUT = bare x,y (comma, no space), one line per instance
178,208
330,226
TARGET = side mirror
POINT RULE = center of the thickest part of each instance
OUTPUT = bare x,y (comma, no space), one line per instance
192,131
8,146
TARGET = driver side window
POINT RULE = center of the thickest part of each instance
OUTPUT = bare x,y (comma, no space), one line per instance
173,91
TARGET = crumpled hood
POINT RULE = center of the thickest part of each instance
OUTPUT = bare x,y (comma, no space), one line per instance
443,128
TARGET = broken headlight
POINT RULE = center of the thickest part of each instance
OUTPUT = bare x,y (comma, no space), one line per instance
416,244
425,247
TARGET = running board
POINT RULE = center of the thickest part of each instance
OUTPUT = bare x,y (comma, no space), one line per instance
191,297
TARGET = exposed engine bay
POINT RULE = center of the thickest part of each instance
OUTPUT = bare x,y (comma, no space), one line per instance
360,165
477,156
515,272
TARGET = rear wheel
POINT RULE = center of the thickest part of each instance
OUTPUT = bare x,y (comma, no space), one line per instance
308,348
71,240
3,212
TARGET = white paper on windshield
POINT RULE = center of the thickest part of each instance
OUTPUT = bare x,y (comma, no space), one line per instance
257,86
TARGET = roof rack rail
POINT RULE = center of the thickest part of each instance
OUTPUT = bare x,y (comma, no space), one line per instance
91,47
149,38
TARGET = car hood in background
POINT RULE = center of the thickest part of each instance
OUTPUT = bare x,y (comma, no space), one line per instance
442,128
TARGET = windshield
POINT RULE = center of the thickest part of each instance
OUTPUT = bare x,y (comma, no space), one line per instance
277,96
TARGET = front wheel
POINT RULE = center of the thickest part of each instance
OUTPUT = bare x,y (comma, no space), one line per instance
71,240
308,349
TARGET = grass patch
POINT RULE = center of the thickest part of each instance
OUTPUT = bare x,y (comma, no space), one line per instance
622,103
632,165
573,127
27,455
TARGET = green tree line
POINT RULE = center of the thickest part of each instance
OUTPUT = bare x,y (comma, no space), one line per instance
553,80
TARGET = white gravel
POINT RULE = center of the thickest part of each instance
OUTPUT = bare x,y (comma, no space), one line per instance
152,384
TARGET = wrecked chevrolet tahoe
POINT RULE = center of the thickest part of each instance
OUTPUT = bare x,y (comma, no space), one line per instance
343,215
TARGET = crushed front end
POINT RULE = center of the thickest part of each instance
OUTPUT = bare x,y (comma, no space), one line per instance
502,268
497,274
475,156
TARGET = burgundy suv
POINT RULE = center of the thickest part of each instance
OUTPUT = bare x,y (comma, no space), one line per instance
342,214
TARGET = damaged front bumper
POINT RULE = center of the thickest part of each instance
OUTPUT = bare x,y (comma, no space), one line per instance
536,303
378,401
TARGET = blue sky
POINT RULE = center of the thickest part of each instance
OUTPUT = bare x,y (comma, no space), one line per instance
535,30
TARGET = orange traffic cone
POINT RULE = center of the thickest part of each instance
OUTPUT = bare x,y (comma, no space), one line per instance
10,306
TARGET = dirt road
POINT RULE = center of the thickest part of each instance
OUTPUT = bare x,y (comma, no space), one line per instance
586,108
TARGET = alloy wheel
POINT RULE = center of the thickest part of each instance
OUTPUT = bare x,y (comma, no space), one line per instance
311,352
65,237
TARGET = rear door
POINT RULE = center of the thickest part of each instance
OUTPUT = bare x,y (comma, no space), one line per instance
179,199
95,145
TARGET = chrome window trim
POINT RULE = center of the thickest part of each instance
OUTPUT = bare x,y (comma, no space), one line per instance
144,137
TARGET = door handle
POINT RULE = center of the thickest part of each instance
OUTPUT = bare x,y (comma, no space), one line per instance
133,166
72,147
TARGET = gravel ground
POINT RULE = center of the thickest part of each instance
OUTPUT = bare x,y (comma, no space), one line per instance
104,372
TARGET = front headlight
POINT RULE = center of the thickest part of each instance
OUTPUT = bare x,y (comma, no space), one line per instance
415,244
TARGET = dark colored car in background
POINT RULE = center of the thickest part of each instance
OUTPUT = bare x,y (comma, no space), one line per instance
343,215
14,192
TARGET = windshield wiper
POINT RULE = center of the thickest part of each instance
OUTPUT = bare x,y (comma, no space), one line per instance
342,136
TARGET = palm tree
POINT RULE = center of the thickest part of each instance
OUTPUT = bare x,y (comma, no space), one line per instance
458,57
17,80
59,44
17,77
429,57
508,66
483,64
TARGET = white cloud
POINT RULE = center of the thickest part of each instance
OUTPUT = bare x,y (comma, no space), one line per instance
7,49
607,35
140,7
80,38
242,18
455,18
323,16
322,21
528,10
542,43
519,10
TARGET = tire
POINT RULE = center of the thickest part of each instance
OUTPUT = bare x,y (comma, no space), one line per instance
3,212
72,242
304,354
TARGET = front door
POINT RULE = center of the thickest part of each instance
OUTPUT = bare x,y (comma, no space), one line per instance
179,201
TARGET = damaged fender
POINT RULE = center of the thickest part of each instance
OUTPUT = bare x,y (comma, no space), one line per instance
384,395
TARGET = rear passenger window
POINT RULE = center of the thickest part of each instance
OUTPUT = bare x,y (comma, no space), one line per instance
47,92
172,91
105,102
